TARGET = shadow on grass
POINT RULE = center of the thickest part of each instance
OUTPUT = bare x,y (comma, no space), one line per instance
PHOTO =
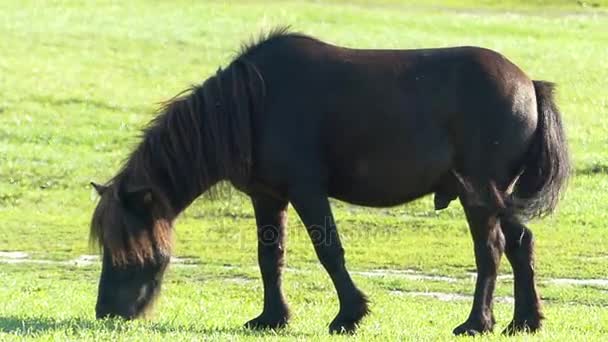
27,326
594,169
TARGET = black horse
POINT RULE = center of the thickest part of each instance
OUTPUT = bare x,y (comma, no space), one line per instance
296,120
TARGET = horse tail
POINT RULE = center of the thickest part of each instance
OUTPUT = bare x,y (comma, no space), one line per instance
546,166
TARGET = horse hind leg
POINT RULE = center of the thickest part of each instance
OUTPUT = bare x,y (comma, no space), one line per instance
519,249
482,205
489,151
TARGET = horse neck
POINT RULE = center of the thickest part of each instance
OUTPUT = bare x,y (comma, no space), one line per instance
173,159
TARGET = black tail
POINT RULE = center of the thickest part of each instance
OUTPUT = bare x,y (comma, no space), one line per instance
547,163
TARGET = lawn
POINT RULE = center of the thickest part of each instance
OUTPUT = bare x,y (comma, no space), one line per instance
78,81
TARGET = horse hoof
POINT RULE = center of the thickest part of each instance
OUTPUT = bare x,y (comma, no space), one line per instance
472,329
347,320
522,326
267,322
342,327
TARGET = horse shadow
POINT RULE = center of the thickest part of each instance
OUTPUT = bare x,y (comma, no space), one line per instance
28,326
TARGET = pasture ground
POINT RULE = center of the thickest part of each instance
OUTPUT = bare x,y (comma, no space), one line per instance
77,82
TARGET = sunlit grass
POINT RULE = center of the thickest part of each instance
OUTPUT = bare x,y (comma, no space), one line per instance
78,80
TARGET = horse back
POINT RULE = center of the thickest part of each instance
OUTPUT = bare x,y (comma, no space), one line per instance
386,126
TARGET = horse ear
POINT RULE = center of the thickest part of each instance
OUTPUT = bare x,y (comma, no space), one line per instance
99,188
139,196
145,200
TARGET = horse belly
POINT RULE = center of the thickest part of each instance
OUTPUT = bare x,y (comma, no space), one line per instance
378,181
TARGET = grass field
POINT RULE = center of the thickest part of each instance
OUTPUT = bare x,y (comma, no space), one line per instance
77,82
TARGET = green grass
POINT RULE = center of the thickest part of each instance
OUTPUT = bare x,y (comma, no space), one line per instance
77,82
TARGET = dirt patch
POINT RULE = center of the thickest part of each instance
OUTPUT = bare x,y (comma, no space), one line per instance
446,297
85,260
31,261
238,280
185,261
404,274
17,257
473,276
578,282
13,255
442,296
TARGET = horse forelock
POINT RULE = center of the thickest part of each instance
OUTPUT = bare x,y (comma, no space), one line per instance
125,237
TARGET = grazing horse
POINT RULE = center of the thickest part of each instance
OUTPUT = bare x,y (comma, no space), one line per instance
295,120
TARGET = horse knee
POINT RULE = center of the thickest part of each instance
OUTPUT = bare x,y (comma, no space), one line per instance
271,256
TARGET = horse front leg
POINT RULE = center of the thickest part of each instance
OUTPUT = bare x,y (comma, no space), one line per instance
271,220
489,245
314,209
519,248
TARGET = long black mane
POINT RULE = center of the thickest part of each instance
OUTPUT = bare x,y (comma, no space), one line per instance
201,136
216,116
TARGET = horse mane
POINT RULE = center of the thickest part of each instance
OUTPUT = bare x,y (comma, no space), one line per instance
250,47
199,137
180,117
201,133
